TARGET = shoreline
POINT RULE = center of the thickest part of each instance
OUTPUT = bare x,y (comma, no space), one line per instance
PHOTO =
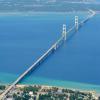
59,90
52,82
23,85
34,13
80,90
62,84
59,87
69,87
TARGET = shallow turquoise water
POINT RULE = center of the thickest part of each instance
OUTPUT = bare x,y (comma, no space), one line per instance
25,38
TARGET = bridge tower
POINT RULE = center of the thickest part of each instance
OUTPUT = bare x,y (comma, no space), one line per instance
64,33
76,22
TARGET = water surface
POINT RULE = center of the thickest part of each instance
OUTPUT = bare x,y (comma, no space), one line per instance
25,38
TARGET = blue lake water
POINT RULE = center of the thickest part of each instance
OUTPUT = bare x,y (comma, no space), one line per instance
75,64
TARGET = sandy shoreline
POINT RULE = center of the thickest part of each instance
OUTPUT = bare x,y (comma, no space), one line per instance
62,84
46,86
21,86
74,89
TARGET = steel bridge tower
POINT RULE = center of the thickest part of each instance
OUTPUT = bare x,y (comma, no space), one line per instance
64,33
76,22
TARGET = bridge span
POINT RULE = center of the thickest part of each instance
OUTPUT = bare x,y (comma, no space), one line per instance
52,49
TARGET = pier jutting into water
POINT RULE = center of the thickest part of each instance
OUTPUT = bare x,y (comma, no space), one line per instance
51,50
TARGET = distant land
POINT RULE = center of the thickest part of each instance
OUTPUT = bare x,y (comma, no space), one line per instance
48,5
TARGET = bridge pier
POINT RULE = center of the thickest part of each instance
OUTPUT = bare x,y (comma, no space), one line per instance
76,23
64,33
55,47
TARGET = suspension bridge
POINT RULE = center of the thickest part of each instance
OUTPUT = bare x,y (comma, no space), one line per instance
51,50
